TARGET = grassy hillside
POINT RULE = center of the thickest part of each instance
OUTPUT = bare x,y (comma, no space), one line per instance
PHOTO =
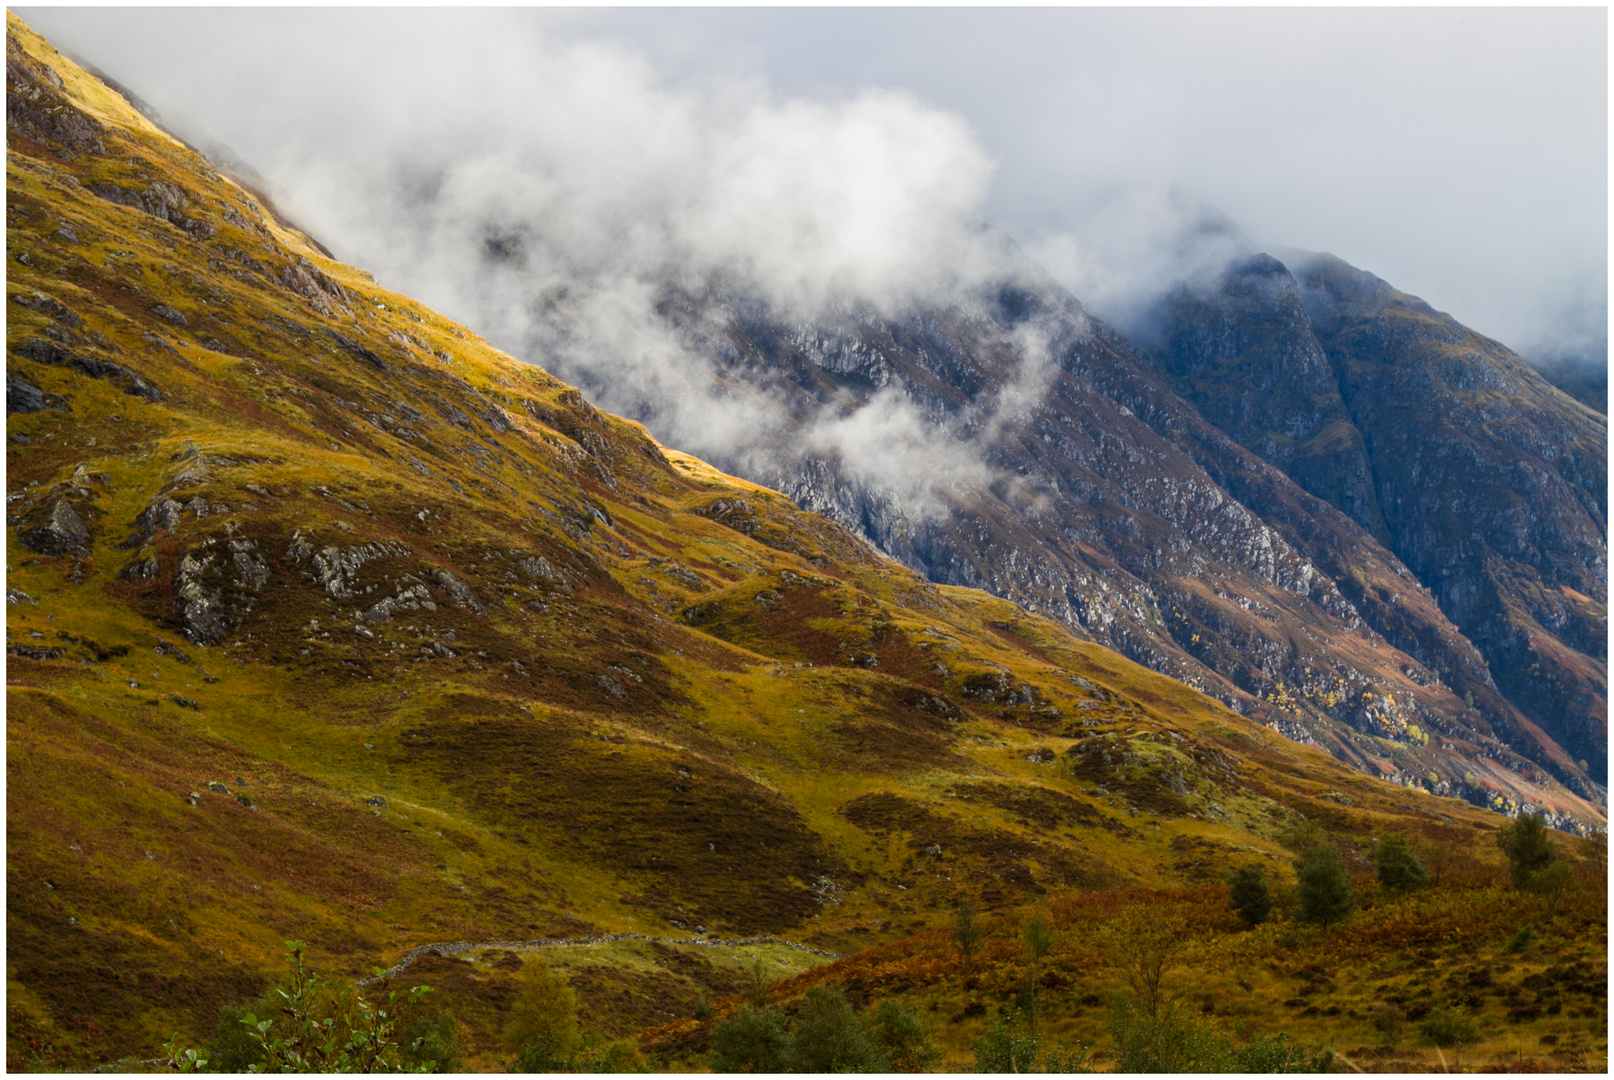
327,621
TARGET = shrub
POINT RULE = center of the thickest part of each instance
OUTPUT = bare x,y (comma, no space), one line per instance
1169,1042
1448,1028
1247,895
1550,883
1528,848
829,1037
1277,1054
753,1040
1144,945
321,1028
542,1030
968,933
1387,1017
1399,869
904,1038
435,1040
1004,1047
1522,938
1323,888
599,1056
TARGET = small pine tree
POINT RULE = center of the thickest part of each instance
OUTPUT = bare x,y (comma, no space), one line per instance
1323,889
1247,894
1528,848
1399,869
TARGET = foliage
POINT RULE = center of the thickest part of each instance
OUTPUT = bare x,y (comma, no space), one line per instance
597,1055
1398,868
1523,938
1323,888
321,1029
1302,834
904,1038
968,933
1528,848
1166,1042
1039,935
1248,896
1550,883
433,1040
1145,945
753,1040
1449,1027
829,1037
1278,1054
542,1030
1387,1017
1006,1047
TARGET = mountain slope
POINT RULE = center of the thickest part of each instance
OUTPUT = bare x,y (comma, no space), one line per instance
1484,480
328,621
1093,494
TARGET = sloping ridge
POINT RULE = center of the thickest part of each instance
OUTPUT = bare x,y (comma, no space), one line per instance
328,621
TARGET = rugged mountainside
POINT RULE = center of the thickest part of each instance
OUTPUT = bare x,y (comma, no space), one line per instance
1483,479
1115,507
325,620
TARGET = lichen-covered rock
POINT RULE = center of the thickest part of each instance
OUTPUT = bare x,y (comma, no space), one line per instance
62,532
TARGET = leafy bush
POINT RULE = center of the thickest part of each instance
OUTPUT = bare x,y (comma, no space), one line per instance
1528,848
599,1056
1448,1028
1399,869
1144,945
433,1041
1323,888
1247,895
1006,1047
321,1028
1522,938
829,1037
1551,883
1175,1042
904,1039
542,1030
753,1040
1387,1017
1167,1042
968,933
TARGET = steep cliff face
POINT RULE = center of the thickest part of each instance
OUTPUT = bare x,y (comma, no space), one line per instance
1071,479
1493,485
1487,482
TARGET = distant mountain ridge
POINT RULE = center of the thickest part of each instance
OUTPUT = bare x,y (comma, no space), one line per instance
1118,509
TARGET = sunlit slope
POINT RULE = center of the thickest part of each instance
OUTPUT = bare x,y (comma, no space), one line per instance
327,621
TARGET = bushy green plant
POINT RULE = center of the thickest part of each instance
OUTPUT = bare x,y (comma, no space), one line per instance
320,1028
829,1037
1167,1042
753,1040
1449,1028
1278,1054
1006,1046
1522,938
968,933
1323,888
600,1055
1398,868
1247,895
904,1038
1528,847
434,1040
1552,883
542,1029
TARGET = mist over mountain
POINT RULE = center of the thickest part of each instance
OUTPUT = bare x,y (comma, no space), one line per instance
806,291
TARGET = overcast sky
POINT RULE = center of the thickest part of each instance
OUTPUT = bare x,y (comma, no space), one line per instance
1461,154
